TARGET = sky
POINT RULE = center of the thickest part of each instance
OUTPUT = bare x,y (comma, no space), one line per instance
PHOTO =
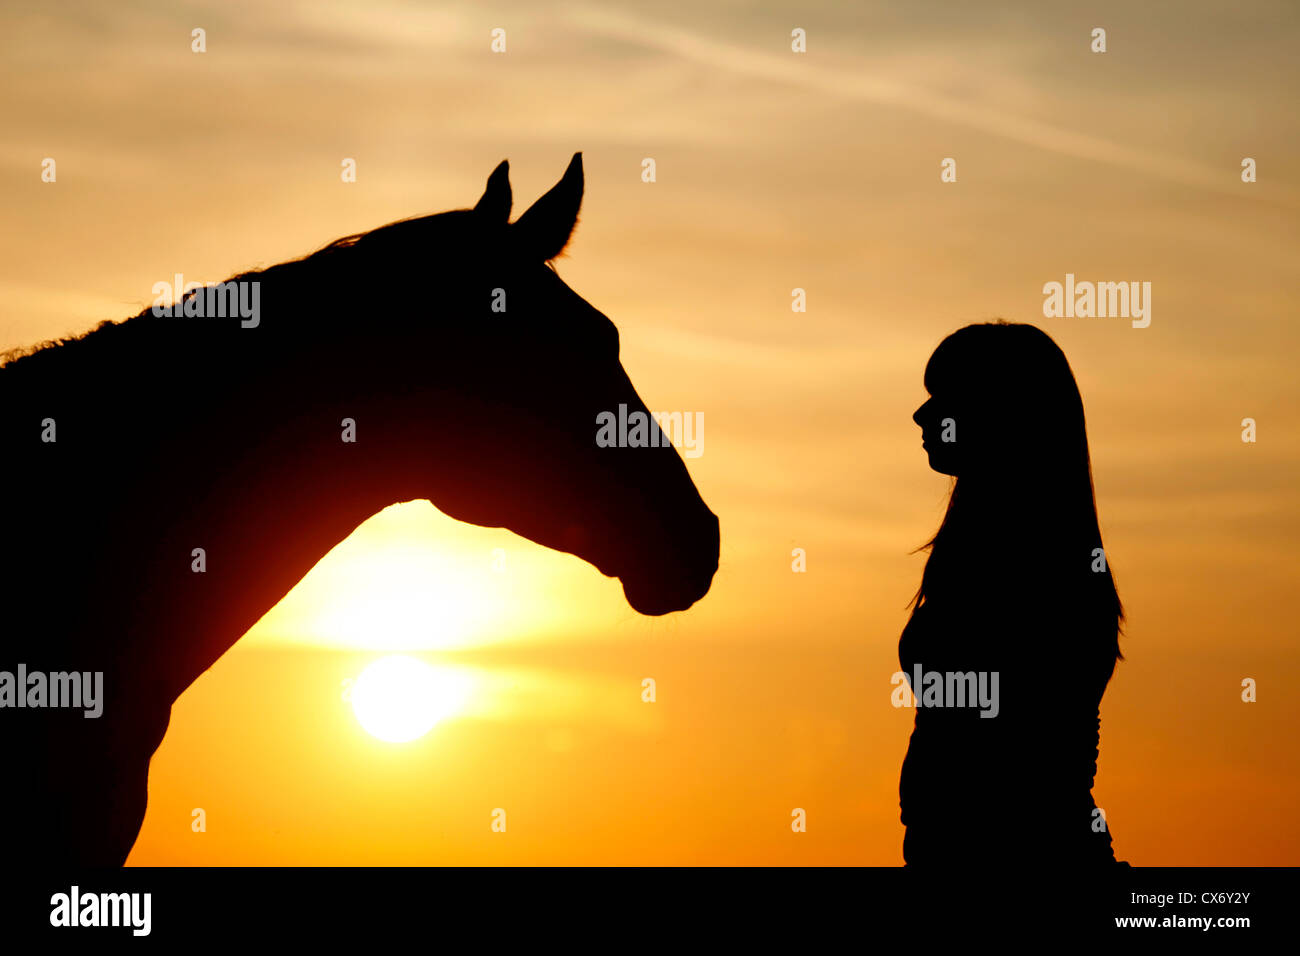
775,170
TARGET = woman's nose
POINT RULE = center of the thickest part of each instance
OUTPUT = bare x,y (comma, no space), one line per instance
918,416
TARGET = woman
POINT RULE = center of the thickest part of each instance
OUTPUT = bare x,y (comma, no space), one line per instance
1016,590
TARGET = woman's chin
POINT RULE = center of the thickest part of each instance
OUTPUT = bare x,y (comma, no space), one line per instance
942,465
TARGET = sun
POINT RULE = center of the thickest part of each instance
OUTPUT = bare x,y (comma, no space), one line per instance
399,698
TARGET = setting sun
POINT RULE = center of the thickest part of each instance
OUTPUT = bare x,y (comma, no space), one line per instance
399,698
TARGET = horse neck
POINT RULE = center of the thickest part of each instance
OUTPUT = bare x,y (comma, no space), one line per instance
241,458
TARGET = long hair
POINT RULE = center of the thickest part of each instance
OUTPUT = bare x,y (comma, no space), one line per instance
1022,514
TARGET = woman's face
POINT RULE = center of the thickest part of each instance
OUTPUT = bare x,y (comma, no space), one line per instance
973,427
939,434
1003,414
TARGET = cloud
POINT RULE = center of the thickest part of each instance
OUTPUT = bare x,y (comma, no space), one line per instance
810,73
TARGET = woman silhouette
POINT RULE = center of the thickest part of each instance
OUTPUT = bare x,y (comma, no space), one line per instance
1016,590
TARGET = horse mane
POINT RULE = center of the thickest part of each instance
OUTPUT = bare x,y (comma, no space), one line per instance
414,228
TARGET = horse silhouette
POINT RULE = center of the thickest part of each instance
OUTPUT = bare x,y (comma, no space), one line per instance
451,353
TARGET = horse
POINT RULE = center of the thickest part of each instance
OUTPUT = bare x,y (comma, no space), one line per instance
169,477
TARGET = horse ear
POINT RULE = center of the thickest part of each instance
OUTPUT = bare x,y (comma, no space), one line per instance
495,204
544,230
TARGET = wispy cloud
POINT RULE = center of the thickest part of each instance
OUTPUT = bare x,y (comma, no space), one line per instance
836,80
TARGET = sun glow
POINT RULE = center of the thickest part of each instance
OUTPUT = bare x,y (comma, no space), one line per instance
411,580
399,698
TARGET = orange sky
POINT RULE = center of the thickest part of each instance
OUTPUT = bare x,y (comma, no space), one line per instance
775,171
